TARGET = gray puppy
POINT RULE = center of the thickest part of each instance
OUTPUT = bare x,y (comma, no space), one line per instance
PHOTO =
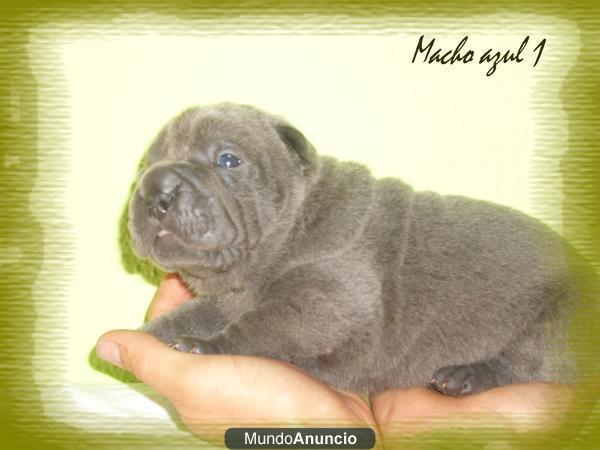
364,283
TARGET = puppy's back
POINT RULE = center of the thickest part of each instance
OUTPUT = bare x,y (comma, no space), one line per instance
476,280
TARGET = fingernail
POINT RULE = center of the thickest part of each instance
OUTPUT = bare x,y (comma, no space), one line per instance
109,351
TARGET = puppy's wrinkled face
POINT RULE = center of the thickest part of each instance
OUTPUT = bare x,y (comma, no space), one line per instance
216,183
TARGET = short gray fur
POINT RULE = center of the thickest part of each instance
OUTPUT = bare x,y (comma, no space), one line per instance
365,283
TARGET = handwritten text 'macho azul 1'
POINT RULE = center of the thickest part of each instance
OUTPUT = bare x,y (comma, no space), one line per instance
491,56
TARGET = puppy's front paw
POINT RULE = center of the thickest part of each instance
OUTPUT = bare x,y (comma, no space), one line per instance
188,344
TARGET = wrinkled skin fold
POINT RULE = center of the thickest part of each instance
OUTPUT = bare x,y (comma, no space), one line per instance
365,283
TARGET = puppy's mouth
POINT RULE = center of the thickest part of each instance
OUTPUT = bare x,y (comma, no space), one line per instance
174,253
163,233
178,244
182,224
166,237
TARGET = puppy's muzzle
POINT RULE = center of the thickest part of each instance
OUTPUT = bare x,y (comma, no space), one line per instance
159,186
176,196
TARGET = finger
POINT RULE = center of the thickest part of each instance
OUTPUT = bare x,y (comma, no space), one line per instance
528,406
359,405
171,293
400,404
151,361
212,392
404,412
525,407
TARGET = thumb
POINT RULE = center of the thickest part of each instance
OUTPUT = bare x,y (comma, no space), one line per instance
151,361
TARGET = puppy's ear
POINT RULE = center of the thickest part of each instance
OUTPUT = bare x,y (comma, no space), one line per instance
296,142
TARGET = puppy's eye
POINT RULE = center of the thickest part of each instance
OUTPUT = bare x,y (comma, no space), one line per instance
227,160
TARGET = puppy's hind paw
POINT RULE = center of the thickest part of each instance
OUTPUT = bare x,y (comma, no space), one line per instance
464,380
453,380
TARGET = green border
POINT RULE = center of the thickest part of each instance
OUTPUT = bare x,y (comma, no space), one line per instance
22,422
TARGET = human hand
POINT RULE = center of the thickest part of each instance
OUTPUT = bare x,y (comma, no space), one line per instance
237,390
517,408
214,392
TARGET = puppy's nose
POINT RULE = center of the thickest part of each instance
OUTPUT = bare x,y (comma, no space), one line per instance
158,187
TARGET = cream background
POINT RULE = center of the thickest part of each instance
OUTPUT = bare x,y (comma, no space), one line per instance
354,94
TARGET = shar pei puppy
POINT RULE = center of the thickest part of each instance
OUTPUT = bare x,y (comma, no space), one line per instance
364,283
